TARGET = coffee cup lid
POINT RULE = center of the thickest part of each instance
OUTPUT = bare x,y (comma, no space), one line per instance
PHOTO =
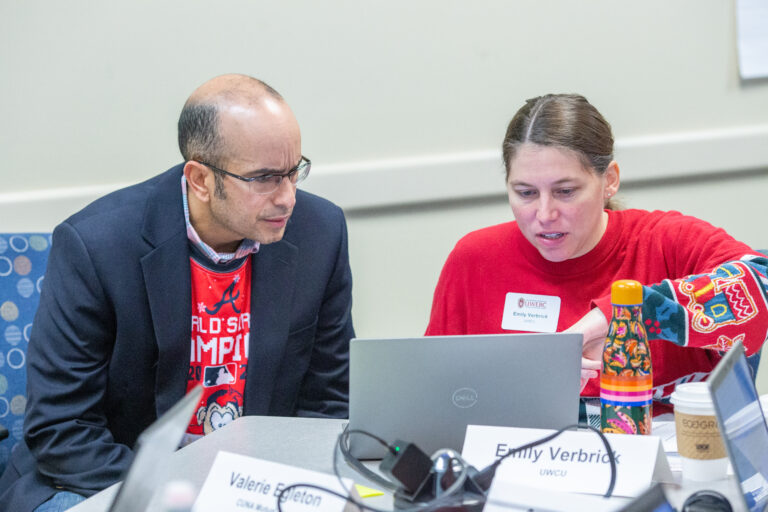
693,395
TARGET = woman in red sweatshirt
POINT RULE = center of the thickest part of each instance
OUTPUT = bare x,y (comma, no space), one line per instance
703,290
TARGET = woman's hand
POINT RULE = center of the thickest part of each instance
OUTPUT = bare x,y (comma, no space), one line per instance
594,327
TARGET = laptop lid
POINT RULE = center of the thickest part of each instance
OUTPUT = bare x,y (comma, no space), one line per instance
427,390
151,454
742,425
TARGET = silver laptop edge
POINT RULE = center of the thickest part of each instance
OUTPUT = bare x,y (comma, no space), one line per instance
742,425
152,451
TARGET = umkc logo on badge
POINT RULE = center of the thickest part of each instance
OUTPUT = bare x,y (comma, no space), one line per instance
464,398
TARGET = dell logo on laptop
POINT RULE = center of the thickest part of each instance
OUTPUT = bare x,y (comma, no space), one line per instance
464,397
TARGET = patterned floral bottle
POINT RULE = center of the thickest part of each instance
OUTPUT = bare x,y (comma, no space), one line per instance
626,385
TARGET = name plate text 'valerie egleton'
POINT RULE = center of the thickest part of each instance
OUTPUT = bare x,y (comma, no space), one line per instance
238,483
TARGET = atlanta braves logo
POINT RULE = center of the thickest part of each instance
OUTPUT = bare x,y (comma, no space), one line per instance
226,297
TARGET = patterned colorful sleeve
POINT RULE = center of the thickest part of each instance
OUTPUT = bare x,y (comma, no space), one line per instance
714,310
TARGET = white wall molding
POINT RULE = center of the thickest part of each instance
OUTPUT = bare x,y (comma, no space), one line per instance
43,196
468,175
441,177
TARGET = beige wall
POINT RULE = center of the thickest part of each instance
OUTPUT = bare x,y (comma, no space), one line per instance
90,90
402,106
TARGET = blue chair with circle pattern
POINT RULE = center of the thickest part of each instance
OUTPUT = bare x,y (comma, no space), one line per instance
23,257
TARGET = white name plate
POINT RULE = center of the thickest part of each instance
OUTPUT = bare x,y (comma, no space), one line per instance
236,483
575,461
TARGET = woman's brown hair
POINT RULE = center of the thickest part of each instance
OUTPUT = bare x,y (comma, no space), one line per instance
562,120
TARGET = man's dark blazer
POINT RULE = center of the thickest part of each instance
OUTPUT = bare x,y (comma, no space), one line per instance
110,346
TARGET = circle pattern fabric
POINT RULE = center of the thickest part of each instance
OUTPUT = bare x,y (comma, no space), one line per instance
22,269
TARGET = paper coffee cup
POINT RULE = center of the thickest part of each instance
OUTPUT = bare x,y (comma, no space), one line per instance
699,443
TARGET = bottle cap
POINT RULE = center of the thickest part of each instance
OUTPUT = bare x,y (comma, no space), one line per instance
626,292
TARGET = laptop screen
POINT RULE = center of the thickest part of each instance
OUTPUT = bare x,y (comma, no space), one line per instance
742,425
148,470
427,390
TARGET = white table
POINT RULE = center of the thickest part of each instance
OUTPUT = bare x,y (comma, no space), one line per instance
309,443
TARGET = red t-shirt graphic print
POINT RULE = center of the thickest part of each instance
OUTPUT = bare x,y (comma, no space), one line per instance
221,321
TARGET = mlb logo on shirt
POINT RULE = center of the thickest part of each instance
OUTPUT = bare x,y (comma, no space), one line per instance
218,375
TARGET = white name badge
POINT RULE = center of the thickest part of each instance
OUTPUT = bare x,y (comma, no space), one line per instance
575,461
534,313
236,483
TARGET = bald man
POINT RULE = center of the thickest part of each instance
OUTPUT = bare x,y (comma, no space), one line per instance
216,272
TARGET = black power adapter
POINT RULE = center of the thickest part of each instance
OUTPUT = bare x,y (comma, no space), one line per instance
406,463
422,483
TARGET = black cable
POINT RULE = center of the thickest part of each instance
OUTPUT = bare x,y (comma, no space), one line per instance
445,499
343,446
611,460
369,434
483,478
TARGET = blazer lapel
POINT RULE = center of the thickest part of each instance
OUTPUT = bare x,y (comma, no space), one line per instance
168,283
167,280
272,289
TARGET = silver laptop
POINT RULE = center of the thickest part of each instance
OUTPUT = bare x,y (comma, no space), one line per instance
427,390
153,449
742,426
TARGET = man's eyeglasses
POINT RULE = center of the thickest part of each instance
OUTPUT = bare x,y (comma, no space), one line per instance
267,183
